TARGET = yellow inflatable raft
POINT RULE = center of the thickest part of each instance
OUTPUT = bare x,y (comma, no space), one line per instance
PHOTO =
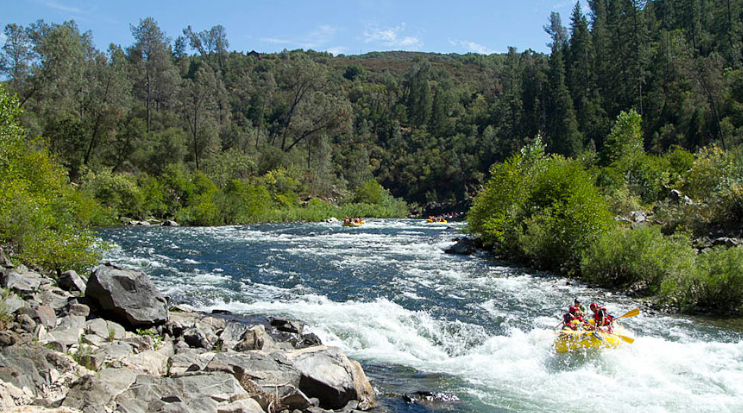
586,337
353,224
583,338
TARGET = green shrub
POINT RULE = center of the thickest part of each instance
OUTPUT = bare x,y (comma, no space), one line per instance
498,210
153,197
568,215
716,285
41,214
177,185
621,201
542,209
116,191
717,179
642,257
370,192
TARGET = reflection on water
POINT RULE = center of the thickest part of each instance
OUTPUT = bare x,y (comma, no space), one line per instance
422,320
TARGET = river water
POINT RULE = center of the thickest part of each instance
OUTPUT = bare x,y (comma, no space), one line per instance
422,320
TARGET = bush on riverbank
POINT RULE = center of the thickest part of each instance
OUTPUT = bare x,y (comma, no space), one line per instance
642,257
713,283
44,220
553,213
541,209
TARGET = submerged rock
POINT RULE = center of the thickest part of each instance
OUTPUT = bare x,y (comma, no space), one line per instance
432,400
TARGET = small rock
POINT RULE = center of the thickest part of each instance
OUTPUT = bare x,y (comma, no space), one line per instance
289,326
200,337
464,246
4,260
170,223
71,281
81,310
27,323
46,315
98,327
7,338
56,346
13,304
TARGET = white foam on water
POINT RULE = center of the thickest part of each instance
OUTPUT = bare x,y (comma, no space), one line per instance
521,368
209,278
670,367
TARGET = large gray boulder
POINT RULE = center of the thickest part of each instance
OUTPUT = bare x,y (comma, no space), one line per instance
129,295
95,393
271,372
20,280
201,393
329,376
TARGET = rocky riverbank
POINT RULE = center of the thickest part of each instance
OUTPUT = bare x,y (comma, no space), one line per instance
111,343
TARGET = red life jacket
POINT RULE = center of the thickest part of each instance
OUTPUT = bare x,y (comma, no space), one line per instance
568,318
602,312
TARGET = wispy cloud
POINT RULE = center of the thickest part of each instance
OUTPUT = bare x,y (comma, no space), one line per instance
392,37
336,50
275,40
62,7
472,46
317,39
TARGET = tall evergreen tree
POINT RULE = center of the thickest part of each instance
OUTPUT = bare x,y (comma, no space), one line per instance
562,132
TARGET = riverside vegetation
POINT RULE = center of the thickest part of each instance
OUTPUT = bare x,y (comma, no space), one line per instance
561,215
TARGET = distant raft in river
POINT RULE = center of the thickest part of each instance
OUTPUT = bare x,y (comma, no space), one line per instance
353,224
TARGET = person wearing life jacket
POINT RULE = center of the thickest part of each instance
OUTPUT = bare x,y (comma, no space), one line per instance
582,310
601,317
571,316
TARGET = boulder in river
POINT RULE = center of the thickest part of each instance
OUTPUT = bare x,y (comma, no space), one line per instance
464,246
129,295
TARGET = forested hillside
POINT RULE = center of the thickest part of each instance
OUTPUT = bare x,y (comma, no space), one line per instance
182,106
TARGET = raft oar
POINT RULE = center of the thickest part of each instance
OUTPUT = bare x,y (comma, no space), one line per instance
630,313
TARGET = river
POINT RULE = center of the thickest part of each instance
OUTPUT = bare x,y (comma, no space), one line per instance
422,320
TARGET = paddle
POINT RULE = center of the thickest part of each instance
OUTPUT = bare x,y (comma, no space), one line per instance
630,313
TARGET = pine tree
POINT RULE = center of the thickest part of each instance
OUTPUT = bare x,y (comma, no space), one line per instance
562,132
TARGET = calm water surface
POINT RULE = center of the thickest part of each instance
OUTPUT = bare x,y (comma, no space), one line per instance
422,320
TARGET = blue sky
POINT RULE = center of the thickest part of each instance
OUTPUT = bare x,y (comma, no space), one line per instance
335,26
